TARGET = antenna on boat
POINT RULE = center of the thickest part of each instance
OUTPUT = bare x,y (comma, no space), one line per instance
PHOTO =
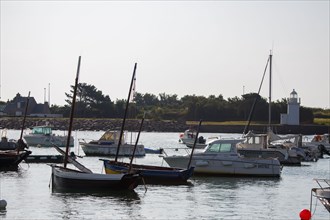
71,114
195,141
126,109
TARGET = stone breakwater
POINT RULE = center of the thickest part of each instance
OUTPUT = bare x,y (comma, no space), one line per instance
84,124
94,124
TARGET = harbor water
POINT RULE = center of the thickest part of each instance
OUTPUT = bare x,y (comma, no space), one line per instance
29,196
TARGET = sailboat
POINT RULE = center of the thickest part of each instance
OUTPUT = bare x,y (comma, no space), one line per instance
11,158
151,174
260,145
83,179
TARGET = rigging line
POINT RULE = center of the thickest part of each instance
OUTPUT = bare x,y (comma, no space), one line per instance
263,77
255,100
282,82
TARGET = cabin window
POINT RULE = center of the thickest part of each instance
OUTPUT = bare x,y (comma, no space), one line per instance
220,147
214,148
225,147
42,131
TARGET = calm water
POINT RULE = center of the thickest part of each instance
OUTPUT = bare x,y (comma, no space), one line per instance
29,197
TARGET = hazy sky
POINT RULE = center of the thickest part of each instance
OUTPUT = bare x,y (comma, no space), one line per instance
181,47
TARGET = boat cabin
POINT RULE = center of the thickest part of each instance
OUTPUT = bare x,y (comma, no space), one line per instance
44,130
255,141
222,146
112,137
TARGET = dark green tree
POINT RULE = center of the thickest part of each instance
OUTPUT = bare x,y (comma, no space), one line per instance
90,102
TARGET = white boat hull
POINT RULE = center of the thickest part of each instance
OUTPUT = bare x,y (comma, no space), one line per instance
47,140
228,166
111,150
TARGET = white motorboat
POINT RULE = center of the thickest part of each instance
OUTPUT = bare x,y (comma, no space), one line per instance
42,136
320,139
187,136
321,143
220,157
107,146
263,145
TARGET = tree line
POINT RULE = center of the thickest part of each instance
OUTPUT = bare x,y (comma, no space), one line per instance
92,103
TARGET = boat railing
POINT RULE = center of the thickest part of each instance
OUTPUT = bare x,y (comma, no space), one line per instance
325,182
84,140
175,151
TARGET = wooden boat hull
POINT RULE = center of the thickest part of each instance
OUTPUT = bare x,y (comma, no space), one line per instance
152,174
11,159
64,179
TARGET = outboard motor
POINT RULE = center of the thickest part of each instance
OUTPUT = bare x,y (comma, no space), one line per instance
323,150
21,145
201,140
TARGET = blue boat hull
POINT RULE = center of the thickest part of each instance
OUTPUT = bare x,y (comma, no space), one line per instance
152,174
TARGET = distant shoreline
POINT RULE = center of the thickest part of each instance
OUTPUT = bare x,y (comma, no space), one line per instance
153,126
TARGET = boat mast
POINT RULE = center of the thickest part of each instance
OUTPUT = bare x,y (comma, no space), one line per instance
20,141
136,143
246,129
71,114
125,114
195,141
270,91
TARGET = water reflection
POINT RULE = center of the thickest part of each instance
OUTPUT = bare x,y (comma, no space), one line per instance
233,182
3,213
73,205
120,194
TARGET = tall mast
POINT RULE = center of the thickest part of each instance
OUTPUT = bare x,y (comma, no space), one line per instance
270,91
73,104
125,114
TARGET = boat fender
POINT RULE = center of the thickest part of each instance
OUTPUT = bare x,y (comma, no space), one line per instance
3,204
318,138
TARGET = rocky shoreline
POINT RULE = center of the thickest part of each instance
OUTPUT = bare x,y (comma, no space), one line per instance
94,124
152,126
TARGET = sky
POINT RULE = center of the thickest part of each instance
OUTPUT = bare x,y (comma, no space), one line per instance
197,48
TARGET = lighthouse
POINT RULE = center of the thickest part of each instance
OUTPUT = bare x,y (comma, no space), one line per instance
292,116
